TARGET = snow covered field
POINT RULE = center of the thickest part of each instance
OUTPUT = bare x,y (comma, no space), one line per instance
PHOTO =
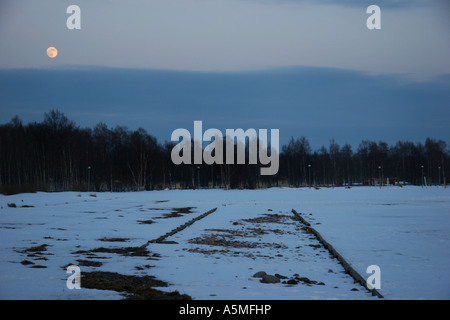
405,231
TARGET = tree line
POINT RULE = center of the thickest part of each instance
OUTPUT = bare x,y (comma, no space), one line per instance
58,155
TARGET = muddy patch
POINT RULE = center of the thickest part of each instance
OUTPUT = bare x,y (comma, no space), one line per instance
114,239
270,218
37,249
126,251
278,278
248,232
245,237
89,263
231,239
220,240
227,252
176,212
132,287
145,221
35,253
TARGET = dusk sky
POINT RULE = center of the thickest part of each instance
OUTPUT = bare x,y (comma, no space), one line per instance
308,68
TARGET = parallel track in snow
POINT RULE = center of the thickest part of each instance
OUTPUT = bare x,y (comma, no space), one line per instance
348,268
162,239
333,252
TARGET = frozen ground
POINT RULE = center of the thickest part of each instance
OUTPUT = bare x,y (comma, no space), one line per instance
405,231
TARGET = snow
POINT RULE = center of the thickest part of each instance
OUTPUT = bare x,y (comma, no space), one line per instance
405,231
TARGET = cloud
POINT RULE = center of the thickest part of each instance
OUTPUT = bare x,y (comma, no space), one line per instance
319,103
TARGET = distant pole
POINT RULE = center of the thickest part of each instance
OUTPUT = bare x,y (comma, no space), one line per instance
89,177
379,174
309,171
422,176
439,175
198,176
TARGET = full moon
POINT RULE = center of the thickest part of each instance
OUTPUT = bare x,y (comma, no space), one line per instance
52,52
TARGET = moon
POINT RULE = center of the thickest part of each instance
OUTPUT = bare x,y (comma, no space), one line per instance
52,52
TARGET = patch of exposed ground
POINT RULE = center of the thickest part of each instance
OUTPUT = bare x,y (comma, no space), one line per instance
231,239
88,263
114,239
140,251
247,232
35,253
146,221
227,252
132,287
220,240
277,278
270,218
177,212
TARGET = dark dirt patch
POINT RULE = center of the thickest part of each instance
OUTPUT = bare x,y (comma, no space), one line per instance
248,232
37,257
223,252
230,232
228,237
35,253
177,212
271,218
7,227
295,279
220,240
89,263
114,239
42,247
133,287
146,221
183,210
127,251
147,266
